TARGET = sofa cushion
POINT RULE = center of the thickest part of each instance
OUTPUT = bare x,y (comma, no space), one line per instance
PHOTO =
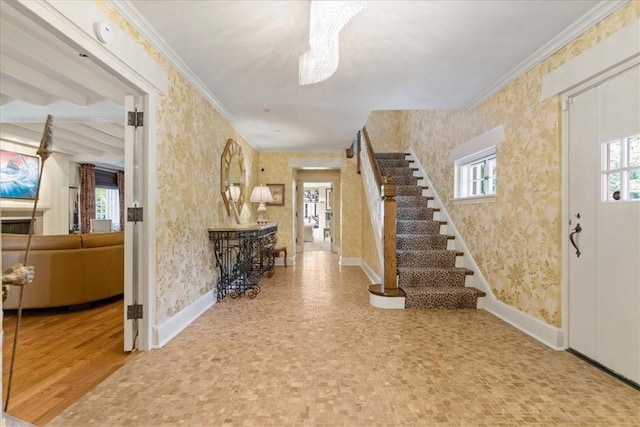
18,242
95,240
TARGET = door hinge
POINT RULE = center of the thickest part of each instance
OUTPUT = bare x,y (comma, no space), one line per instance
134,312
134,214
135,118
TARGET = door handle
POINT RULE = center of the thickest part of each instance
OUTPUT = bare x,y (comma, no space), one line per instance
578,229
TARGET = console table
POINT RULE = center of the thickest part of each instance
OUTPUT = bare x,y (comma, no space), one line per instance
243,254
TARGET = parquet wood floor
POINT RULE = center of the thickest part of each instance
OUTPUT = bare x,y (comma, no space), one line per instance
61,355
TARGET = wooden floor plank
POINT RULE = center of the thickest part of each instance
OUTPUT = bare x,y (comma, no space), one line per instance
61,354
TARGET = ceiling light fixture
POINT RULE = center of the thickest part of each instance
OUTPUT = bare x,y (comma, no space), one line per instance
326,20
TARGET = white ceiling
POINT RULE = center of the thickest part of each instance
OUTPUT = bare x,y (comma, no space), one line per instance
41,75
243,56
393,55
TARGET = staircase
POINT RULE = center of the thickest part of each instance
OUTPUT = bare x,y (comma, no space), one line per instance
427,271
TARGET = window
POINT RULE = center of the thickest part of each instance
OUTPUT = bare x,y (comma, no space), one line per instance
107,197
476,174
476,167
621,169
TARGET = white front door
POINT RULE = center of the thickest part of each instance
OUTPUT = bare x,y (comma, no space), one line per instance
604,209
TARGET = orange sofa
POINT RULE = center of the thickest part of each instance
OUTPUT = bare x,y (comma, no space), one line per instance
69,269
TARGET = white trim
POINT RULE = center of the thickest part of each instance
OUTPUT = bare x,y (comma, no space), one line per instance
373,277
142,26
474,200
317,163
387,302
491,138
615,49
564,283
171,327
548,335
573,31
350,261
75,20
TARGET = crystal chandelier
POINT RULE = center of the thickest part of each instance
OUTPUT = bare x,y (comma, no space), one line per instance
326,20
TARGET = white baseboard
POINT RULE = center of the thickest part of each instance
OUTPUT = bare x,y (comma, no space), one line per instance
535,328
166,331
541,331
373,277
350,261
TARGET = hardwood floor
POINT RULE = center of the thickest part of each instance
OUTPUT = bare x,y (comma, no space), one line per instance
61,355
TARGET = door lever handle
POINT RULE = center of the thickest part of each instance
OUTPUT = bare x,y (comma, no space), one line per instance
578,229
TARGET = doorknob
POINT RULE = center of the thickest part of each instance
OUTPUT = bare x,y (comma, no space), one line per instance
578,229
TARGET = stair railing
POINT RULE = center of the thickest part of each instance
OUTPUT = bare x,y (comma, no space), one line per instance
380,194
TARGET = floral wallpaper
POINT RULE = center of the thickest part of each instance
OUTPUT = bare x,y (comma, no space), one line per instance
368,246
190,139
277,171
386,128
516,240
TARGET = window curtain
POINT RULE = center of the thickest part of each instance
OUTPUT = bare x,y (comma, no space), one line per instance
121,198
87,196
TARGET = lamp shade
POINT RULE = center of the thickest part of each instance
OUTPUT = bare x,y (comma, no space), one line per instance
261,194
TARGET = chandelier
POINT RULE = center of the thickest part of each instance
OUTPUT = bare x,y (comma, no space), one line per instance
327,19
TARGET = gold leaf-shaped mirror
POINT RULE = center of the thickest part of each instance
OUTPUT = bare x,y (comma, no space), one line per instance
232,176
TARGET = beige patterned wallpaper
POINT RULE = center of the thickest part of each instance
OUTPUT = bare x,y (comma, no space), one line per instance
516,240
368,246
386,128
190,139
277,170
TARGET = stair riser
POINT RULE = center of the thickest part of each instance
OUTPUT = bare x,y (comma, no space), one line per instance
441,259
422,242
390,156
443,302
412,201
425,214
395,171
408,190
431,278
418,227
405,180
394,164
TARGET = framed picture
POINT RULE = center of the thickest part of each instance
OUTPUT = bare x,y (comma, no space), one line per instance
328,192
277,192
19,175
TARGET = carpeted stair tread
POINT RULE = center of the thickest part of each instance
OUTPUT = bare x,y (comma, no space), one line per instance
400,156
441,258
418,227
416,213
426,268
424,242
414,201
451,298
464,270
396,171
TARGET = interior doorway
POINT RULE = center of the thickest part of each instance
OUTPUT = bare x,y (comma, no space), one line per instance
69,52
317,216
604,218
318,211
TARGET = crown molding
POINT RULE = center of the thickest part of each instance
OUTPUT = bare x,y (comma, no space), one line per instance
146,30
573,31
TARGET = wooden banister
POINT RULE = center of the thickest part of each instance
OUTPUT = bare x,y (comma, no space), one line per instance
387,188
374,165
